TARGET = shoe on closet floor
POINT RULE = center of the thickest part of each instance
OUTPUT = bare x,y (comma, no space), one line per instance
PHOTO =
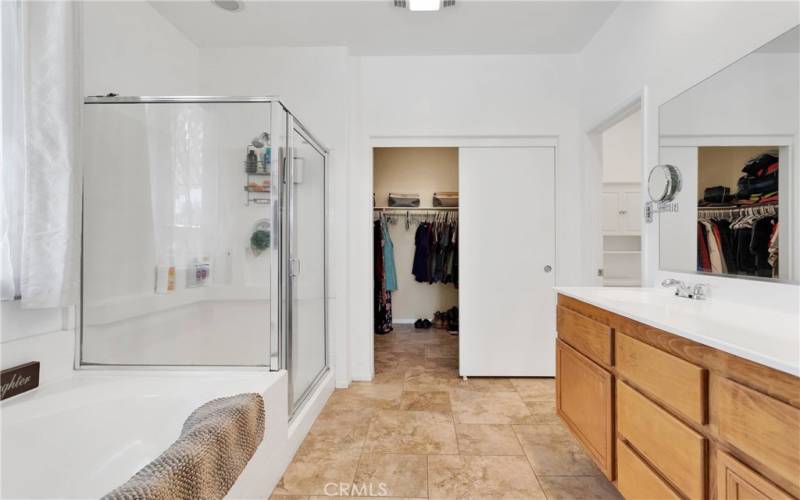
426,323
439,320
452,327
418,324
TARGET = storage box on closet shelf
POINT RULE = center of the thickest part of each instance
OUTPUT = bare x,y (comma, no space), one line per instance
257,167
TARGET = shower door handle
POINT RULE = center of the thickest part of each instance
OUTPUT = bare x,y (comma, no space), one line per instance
294,267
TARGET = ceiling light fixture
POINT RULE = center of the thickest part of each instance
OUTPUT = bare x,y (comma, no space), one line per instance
229,5
423,5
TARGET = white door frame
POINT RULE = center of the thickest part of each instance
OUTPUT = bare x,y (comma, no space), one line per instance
593,187
363,336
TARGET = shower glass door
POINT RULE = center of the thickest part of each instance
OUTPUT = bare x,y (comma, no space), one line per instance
307,323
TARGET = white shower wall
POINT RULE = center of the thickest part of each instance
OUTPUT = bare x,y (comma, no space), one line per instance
164,187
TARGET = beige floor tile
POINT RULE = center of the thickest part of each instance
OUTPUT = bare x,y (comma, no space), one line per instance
481,477
442,351
448,363
411,432
543,412
361,395
475,407
553,451
486,385
430,379
318,497
438,401
334,434
392,475
535,389
487,439
579,488
393,376
308,476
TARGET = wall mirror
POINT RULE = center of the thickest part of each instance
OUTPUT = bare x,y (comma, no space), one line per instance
734,139
663,183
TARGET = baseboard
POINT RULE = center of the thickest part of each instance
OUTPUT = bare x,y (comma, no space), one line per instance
403,321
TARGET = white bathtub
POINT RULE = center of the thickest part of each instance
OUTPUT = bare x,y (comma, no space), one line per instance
82,437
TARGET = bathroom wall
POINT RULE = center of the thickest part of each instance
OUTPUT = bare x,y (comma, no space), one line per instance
665,48
622,150
130,49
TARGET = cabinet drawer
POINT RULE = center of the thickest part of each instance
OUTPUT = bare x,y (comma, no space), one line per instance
636,480
677,451
759,426
589,337
678,384
583,401
736,481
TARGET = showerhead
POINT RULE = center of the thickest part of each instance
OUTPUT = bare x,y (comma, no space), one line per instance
261,141
229,5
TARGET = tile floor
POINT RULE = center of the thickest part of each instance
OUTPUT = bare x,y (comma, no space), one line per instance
419,431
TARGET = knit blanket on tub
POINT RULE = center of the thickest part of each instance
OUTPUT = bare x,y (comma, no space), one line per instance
215,444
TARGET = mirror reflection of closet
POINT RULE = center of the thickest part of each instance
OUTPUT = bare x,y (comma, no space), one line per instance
737,210
733,137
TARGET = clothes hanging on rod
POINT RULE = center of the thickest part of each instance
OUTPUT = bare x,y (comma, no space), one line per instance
436,252
738,240
383,256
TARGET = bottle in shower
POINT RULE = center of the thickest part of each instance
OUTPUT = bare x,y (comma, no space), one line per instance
251,164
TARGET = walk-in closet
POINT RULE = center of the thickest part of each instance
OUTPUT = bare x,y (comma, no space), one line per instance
416,238
464,257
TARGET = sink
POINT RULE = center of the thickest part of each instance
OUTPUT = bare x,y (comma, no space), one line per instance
634,295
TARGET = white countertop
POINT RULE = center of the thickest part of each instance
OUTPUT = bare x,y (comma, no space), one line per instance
762,335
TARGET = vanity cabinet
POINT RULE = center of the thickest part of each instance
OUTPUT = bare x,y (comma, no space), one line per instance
585,403
666,417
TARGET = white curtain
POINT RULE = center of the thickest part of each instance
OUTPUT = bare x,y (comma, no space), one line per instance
40,171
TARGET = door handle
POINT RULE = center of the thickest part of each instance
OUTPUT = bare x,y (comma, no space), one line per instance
294,267
548,268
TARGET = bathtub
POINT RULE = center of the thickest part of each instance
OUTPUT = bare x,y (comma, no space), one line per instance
83,436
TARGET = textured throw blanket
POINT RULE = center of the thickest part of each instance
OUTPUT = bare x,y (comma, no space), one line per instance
215,444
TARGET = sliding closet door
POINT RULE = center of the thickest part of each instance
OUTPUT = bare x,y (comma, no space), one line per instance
506,258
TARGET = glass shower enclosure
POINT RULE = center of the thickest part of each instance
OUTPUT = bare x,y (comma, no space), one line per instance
204,237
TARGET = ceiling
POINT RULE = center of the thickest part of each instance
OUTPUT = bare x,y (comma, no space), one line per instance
376,27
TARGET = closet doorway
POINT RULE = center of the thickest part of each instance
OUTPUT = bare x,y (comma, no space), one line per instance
415,226
464,228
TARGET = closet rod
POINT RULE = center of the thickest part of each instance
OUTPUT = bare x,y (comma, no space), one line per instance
406,209
758,210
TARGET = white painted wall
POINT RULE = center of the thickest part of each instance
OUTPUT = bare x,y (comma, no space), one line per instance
462,96
130,49
667,47
622,151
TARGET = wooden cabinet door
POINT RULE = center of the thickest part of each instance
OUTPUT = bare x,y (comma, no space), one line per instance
584,401
736,481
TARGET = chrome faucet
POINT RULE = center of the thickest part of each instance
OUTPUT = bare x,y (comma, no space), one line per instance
698,291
